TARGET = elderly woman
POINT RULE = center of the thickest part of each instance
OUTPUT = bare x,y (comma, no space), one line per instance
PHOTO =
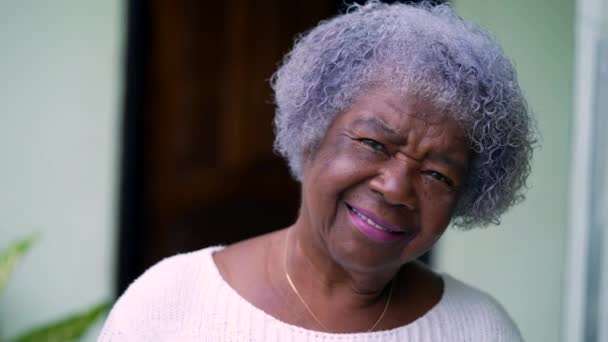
397,121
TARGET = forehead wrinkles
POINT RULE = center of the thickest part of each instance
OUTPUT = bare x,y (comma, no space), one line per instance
422,125
410,118
410,107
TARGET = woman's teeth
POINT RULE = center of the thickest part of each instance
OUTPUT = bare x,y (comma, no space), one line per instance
372,223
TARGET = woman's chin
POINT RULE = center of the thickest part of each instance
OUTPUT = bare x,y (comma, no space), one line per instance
357,253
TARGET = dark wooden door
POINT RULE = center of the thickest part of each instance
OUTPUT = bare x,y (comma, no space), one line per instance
198,168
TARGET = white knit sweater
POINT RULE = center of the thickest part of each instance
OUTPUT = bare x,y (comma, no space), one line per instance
184,298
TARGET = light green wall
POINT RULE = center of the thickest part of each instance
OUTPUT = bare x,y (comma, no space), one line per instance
521,261
60,93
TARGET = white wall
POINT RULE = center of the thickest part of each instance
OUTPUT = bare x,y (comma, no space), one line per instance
521,262
60,94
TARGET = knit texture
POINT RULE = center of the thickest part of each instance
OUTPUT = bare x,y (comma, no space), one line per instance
184,298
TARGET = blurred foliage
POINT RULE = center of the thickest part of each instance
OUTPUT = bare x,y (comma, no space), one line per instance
69,329
11,256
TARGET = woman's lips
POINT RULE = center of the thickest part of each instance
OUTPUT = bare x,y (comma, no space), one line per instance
372,227
377,220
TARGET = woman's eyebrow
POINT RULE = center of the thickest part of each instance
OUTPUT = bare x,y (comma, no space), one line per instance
378,125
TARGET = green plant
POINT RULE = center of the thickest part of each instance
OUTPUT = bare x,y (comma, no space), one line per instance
69,329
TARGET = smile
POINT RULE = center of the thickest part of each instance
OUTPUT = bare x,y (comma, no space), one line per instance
373,223
373,229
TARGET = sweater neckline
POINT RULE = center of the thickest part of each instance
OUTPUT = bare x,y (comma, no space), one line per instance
430,315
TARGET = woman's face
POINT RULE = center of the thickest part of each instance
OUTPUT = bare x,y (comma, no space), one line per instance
380,189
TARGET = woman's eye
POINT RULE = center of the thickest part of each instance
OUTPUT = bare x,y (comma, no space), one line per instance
374,144
438,176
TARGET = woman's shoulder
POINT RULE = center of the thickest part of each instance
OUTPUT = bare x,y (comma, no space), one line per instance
463,303
175,272
460,295
174,282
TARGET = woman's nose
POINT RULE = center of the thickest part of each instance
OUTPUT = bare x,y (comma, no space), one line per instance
396,184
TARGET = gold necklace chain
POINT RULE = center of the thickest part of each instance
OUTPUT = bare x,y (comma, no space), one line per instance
295,290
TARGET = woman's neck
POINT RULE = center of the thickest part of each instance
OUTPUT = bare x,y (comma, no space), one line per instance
314,271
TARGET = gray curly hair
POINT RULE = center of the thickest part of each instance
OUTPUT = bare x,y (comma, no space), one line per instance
426,51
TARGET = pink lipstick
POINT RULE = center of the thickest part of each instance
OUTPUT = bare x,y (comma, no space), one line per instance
373,227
